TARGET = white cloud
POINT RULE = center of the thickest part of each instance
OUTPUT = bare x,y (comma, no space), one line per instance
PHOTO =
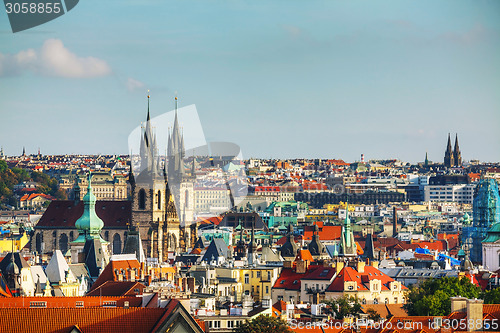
133,84
53,59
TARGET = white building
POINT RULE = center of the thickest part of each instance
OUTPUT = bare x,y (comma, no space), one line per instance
461,193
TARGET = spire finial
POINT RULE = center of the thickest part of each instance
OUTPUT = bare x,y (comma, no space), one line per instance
89,187
176,102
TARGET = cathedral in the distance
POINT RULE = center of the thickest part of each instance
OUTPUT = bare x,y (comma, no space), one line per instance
452,158
157,190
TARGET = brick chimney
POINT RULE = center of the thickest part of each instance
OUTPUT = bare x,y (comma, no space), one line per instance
190,284
474,314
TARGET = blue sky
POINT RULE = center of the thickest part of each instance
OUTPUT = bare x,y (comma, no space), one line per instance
328,79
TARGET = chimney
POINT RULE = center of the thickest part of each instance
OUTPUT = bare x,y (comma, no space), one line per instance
458,304
190,284
474,314
301,267
361,267
394,221
339,266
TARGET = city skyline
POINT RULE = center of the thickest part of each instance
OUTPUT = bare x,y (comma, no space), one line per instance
326,80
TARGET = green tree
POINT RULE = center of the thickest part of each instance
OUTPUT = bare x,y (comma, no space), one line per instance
432,297
373,315
264,324
344,306
491,296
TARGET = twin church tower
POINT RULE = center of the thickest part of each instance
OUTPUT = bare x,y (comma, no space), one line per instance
452,158
162,195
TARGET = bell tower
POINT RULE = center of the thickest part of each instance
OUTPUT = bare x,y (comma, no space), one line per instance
149,197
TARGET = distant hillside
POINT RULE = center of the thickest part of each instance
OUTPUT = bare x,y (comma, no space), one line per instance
13,176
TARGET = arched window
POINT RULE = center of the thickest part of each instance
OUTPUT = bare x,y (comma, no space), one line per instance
39,240
117,244
54,241
142,199
106,236
71,237
63,243
159,199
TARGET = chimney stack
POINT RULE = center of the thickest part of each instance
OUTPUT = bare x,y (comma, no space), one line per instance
394,221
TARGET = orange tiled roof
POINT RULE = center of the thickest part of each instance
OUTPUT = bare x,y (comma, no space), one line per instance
108,274
304,255
362,279
70,302
118,288
88,320
326,232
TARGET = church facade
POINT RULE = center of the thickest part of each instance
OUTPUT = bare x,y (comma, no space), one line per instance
452,158
162,195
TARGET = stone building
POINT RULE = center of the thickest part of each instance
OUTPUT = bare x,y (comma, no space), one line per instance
452,158
106,185
56,228
155,192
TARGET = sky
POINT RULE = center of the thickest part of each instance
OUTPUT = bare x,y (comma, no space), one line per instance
281,79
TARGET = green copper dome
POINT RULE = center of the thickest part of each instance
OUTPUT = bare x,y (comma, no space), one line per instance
493,234
89,225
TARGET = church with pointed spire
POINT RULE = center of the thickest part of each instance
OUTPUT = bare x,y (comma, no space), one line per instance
452,157
158,211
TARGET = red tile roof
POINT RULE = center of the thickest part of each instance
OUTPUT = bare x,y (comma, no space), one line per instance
118,288
322,273
109,273
362,279
88,320
326,232
289,279
32,196
304,255
70,302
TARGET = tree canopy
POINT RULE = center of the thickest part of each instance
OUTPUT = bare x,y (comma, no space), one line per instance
432,297
264,324
343,307
13,176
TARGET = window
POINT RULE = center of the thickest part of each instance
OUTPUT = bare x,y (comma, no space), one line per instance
247,279
269,275
109,304
258,274
375,301
350,287
35,304
79,304
230,323
142,199
267,289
